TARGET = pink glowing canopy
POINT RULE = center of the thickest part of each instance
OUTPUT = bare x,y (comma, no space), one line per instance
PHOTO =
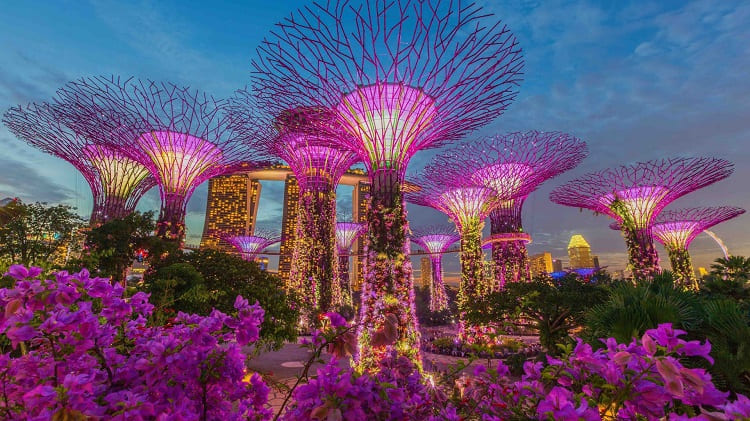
435,239
346,233
676,229
120,176
638,193
249,246
398,80
464,205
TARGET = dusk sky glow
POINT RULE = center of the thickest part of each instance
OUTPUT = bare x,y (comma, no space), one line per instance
635,80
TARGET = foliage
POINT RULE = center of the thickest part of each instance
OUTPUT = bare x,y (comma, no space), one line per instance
87,352
202,280
111,247
434,318
734,267
735,289
38,234
554,308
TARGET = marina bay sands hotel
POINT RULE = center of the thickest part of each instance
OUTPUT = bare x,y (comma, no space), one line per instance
232,209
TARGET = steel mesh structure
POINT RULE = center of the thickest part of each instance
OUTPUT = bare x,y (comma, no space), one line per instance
435,240
306,139
402,76
676,229
467,205
514,165
250,246
181,135
116,181
634,195
347,233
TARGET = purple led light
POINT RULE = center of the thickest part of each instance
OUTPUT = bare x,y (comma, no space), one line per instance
346,234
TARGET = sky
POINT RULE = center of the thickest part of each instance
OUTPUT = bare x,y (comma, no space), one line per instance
636,80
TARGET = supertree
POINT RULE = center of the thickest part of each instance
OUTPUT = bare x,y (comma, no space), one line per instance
250,246
116,181
467,205
514,165
676,229
634,195
306,139
346,233
436,240
182,136
402,76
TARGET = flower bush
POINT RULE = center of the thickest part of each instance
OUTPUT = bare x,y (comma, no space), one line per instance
83,350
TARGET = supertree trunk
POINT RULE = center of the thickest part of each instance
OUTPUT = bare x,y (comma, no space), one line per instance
511,262
511,259
171,223
314,264
642,254
345,283
472,285
387,307
438,297
682,266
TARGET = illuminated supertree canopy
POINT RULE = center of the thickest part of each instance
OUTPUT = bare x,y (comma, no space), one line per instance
307,139
347,233
467,205
116,181
436,240
182,136
514,165
402,76
634,195
250,246
676,229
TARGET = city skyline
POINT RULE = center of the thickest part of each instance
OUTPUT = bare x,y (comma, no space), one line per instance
643,92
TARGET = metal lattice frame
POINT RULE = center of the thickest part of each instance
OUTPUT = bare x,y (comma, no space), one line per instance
347,233
514,165
436,240
305,138
403,76
634,195
116,181
250,246
181,135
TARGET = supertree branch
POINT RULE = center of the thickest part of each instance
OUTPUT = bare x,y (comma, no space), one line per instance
250,246
116,181
346,233
436,240
634,195
181,135
676,229
514,165
401,76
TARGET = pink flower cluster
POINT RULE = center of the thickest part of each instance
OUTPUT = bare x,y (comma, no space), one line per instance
83,350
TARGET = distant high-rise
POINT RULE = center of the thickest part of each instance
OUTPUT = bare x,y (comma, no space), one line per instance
288,222
231,209
541,264
595,259
702,272
426,271
557,265
360,197
579,253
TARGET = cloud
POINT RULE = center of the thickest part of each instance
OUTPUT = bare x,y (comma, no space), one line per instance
23,181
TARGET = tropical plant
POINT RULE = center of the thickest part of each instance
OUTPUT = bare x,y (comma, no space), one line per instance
733,267
202,280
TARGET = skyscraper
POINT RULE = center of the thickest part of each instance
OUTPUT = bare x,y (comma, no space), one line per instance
557,265
288,222
541,264
426,271
360,198
579,253
231,209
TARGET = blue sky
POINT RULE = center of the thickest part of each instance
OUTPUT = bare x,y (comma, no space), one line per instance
636,80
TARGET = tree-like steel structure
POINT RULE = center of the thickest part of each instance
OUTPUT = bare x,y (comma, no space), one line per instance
514,165
676,229
346,233
250,246
436,240
402,76
182,136
116,181
634,195
467,204
306,138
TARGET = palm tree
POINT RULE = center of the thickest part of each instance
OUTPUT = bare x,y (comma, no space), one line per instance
734,267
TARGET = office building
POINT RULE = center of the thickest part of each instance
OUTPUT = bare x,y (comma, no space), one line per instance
557,265
231,209
541,264
579,253
288,226
425,267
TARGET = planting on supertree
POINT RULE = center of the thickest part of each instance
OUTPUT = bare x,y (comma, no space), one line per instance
436,240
